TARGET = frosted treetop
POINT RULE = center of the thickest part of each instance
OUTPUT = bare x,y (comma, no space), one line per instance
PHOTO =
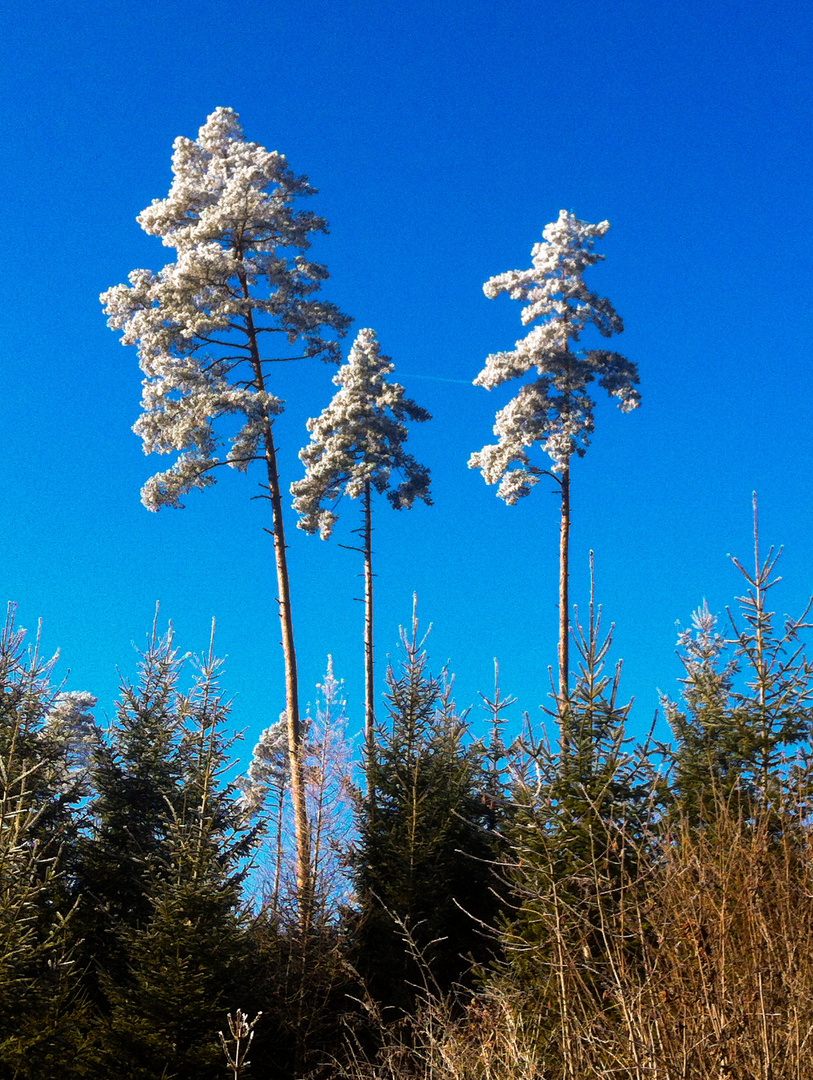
555,409
359,439
239,296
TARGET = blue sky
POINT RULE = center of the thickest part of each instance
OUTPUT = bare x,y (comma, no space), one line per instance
442,139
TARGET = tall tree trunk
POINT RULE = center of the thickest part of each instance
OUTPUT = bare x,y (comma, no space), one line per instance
304,884
304,877
369,707
564,570
564,620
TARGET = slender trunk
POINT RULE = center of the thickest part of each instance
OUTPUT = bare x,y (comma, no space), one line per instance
564,621
760,580
369,707
278,864
564,570
295,748
304,883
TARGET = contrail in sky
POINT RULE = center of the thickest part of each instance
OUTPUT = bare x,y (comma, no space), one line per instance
435,378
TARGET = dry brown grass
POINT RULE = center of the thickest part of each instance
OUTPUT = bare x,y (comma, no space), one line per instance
706,974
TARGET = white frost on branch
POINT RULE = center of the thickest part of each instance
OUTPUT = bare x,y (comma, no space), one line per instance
240,275
359,439
71,730
555,409
268,769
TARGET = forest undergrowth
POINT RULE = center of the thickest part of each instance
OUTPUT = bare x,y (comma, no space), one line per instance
498,907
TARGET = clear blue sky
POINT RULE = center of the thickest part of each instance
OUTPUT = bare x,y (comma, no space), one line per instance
442,138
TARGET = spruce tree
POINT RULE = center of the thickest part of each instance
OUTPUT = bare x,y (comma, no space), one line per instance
137,781
747,709
43,734
708,756
423,868
184,960
581,820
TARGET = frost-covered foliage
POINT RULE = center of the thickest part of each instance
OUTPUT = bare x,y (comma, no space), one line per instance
555,409
70,725
330,794
53,729
268,769
709,676
359,440
239,273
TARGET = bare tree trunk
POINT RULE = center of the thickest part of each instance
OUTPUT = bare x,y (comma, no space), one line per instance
564,619
295,749
369,706
563,704
304,882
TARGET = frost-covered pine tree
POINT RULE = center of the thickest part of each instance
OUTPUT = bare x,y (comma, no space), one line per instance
356,445
554,410
239,296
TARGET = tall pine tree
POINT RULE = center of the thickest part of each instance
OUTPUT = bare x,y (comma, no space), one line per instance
356,445
240,296
555,409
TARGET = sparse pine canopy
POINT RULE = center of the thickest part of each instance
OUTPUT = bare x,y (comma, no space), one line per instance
239,275
555,409
359,439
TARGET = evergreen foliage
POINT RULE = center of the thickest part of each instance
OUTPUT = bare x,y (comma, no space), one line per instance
358,441
747,706
708,754
41,1003
356,445
581,817
137,781
165,865
571,921
555,410
423,868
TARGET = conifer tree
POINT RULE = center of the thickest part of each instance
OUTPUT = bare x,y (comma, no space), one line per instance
356,445
183,960
555,410
577,832
708,760
497,757
240,279
43,735
137,780
423,868
747,706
